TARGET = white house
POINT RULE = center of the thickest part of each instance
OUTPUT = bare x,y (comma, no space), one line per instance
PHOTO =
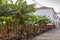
58,19
48,12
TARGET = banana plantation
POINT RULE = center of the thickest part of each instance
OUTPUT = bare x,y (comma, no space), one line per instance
18,22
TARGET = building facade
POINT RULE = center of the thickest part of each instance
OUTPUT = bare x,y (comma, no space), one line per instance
48,12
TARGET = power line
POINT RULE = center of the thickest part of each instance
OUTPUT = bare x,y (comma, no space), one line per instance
37,3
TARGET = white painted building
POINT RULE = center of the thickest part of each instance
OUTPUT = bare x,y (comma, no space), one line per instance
58,19
48,12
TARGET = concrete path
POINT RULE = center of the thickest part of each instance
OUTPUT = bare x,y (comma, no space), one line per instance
50,35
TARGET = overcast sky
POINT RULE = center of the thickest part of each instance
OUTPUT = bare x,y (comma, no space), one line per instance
49,3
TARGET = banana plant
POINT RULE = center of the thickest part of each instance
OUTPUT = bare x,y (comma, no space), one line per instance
43,21
4,21
4,1
20,6
16,12
32,19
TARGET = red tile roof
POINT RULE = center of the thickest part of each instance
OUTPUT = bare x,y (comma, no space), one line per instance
43,7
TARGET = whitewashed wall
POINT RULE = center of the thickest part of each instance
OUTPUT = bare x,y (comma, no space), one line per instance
47,12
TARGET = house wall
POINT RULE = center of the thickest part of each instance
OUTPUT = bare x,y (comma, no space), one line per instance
58,19
47,12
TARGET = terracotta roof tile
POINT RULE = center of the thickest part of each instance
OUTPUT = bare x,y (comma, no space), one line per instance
43,7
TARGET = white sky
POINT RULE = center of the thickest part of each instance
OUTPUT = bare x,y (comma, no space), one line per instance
49,3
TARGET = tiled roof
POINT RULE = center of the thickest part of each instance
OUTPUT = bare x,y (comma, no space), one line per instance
43,7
